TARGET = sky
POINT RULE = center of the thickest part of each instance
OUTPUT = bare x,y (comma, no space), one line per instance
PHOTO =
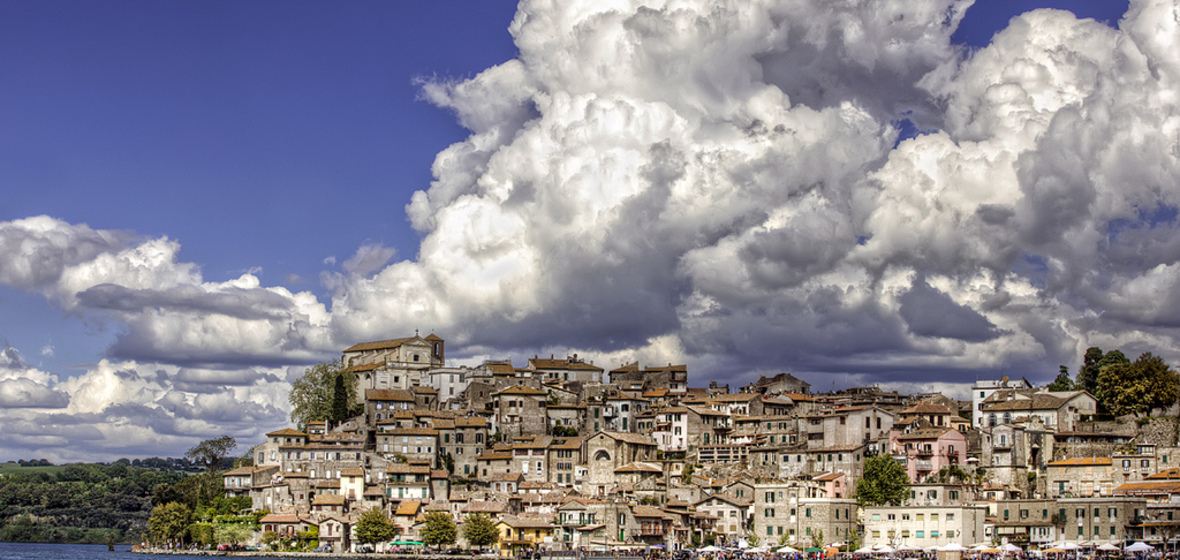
201,199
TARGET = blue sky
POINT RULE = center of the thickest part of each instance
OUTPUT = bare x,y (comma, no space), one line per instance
283,141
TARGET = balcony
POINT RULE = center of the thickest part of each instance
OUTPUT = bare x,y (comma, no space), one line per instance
924,465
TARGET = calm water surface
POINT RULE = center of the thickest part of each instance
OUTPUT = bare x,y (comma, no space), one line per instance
19,551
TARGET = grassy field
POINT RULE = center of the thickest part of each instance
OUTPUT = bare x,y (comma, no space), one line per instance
10,468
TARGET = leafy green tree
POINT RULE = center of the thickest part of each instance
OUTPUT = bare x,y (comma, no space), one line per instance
233,533
884,482
374,527
169,522
686,474
339,411
753,540
1087,379
211,452
479,530
1062,382
1137,387
312,394
439,529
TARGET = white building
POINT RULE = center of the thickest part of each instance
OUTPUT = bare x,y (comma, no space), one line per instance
923,527
984,388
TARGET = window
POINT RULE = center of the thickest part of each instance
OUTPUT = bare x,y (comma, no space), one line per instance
920,534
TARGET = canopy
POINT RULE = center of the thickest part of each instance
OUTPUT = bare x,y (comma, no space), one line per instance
710,548
885,549
1053,550
1108,547
416,543
1009,547
1069,546
981,547
832,550
991,551
786,550
1139,547
812,549
952,548
759,549
908,548
861,550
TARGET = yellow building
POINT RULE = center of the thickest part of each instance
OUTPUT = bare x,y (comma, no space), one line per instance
517,533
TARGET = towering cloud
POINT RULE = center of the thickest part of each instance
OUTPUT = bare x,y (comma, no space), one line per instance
719,182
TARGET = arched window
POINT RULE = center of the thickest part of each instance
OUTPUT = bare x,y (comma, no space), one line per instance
1007,418
991,419
602,455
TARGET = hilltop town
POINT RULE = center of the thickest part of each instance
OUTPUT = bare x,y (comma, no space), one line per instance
566,455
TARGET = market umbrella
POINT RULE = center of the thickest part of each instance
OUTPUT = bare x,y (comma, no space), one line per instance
1069,546
710,548
908,548
953,547
886,549
991,551
786,550
832,550
1108,548
1053,550
861,550
1139,547
812,549
1009,547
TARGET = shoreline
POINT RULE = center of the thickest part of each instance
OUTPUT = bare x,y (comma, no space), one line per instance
278,554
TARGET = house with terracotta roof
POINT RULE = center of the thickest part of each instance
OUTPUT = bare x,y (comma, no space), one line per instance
519,410
777,385
570,370
518,533
925,452
1058,411
407,481
608,451
399,363
732,515
672,377
846,426
1079,477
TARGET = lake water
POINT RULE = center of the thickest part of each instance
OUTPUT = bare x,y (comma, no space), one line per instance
21,551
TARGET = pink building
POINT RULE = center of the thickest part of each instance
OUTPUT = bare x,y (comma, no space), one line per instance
925,452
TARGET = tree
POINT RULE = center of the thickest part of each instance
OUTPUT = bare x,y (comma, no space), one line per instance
753,540
232,533
1137,387
339,412
686,474
1062,382
1087,379
884,482
374,527
311,395
211,452
169,521
479,530
439,529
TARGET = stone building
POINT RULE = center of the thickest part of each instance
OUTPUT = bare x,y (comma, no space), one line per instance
393,364
783,512
519,411
606,452
1102,520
